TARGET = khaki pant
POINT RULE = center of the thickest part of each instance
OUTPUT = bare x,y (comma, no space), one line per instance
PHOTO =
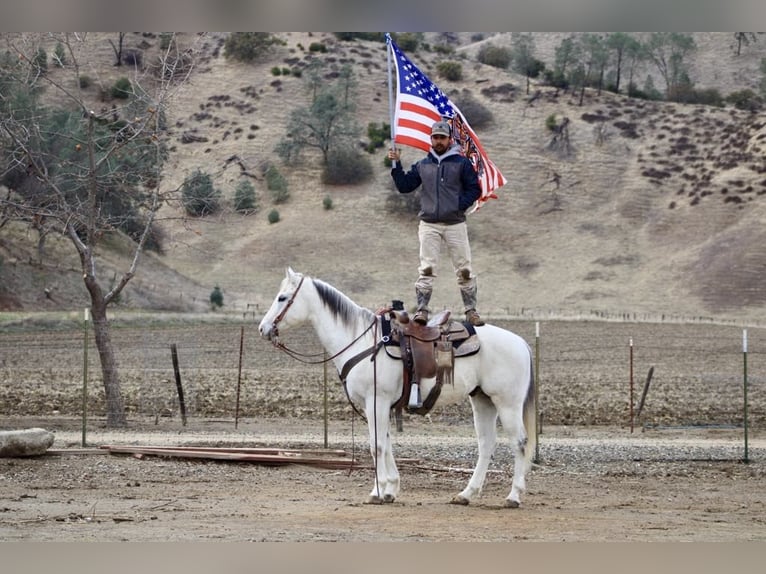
454,237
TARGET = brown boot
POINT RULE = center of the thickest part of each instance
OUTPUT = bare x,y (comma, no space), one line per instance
421,315
474,318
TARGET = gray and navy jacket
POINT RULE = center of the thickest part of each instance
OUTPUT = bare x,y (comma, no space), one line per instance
450,185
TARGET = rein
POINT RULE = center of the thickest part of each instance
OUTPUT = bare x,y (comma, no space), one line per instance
309,358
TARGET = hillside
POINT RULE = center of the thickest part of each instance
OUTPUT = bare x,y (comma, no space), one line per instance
656,210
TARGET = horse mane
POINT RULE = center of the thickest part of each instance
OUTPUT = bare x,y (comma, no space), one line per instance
339,304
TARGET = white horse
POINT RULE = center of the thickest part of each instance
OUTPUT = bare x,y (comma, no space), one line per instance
497,380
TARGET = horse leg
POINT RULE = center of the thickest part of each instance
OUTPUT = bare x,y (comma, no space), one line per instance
392,472
484,421
386,485
514,424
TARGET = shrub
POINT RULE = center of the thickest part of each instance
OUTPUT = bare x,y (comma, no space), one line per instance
216,298
166,40
551,124
745,100
452,71
249,46
276,71
555,79
475,112
377,135
317,47
496,56
40,61
85,81
198,195
60,55
327,203
133,58
245,200
408,41
444,49
122,88
346,167
277,185
273,216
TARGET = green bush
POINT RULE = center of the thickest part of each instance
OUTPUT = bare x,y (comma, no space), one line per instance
40,61
745,100
327,203
122,88
85,82
495,56
277,185
346,167
249,46
556,79
273,216
408,41
317,47
276,71
60,53
452,71
198,195
444,49
216,298
377,135
245,200
551,124
166,40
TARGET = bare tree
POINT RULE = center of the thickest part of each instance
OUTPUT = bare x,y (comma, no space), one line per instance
118,48
745,39
667,51
86,173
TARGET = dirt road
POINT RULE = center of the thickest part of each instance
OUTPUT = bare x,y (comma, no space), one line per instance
590,484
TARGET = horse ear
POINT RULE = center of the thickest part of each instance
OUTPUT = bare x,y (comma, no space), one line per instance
291,275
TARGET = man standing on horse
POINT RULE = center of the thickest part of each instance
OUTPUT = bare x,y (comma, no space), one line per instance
449,187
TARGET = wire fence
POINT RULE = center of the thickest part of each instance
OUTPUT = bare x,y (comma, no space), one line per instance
589,373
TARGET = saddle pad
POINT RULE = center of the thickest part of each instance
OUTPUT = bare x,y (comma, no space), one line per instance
463,336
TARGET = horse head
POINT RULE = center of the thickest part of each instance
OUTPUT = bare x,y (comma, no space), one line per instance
285,300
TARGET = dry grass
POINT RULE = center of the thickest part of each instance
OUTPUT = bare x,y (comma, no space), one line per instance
658,210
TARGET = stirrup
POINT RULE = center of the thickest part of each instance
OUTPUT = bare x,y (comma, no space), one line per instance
473,317
421,317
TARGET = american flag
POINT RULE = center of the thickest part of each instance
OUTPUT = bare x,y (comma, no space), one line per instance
420,103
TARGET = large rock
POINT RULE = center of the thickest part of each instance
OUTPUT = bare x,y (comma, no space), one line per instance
27,442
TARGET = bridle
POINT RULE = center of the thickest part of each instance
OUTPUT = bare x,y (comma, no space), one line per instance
309,358
283,312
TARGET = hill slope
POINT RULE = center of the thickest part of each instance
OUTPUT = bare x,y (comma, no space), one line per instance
653,209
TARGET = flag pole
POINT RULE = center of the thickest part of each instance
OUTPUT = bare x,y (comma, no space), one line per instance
390,96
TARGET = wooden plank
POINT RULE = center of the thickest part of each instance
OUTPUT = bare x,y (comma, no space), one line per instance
243,450
274,459
67,451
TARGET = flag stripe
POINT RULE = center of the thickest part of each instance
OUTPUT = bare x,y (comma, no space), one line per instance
420,103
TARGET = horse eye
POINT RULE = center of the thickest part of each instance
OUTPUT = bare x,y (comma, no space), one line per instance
282,298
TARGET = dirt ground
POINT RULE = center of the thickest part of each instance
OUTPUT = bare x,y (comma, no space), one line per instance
592,484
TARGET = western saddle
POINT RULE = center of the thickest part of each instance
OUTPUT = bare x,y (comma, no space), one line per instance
426,351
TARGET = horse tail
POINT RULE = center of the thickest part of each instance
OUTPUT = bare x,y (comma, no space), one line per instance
530,416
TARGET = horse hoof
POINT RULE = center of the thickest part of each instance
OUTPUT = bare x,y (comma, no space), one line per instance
374,500
511,503
389,498
459,500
